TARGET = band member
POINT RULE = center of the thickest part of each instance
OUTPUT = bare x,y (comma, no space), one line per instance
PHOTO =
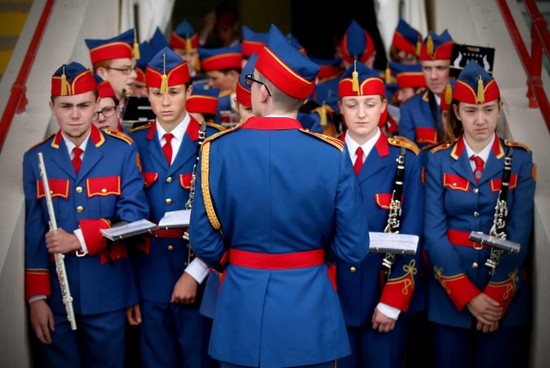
272,202
102,185
420,116
172,331
374,301
477,314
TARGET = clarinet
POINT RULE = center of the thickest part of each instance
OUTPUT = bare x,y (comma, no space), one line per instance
189,203
394,215
501,212
59,257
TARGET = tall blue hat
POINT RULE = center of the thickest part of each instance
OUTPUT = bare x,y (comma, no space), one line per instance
288,69
475,85
166,69
123,46
72,79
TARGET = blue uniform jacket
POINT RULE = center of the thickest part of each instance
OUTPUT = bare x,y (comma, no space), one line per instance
163,261
271,188
359,284
456,205
108,187
416,121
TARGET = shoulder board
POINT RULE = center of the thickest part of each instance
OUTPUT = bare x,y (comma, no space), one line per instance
222,132
218,127
119,135
442,146
404,142
142,127
39,143
325,138
516,145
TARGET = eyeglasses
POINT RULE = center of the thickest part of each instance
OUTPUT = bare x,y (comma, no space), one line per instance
249,79
125,71
107,112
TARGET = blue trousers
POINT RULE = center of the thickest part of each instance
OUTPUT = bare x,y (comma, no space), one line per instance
99,341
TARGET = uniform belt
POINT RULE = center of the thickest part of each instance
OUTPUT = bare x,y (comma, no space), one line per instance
461,238
284,261
168,233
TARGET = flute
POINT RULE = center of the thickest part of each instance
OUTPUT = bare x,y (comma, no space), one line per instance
59,257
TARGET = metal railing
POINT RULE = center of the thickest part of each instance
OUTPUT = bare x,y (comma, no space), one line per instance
540,40
18,100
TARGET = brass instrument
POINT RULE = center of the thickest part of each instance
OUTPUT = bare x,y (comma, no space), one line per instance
394,215
189,203
59,257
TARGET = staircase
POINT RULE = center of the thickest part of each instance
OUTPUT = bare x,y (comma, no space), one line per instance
13,14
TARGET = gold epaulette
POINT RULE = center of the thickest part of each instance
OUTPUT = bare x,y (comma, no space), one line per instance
516,145
222,132
119,135
441,146
39,143
219,127
142,127
404,142
325,138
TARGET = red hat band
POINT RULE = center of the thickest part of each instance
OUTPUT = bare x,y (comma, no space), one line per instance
202,104
402,43
370,86
463,92
443,52
115,50
82,83
223,61
177,42
410,80
178,75
282,76
243,96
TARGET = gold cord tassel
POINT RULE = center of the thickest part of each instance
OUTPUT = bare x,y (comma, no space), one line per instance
480,98
135,52
323,115
430,46
355,78
448,94
164,80
418,48
188,47
387,76
63,83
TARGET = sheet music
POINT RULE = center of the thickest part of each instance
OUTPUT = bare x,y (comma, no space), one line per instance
179,218
392,243
124,231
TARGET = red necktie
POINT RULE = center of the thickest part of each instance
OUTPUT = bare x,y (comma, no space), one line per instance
77,161
358,161
479,167
167,147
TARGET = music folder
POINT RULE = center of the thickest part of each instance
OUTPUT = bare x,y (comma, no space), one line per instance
170,220
495,241
395,243
137,111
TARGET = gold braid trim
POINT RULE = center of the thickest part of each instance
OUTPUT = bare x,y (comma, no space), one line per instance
205,186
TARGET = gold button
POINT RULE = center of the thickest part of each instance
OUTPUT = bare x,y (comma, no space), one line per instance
454,184
474,265
169,179
352,269
170,248
79,209
103,190
476,214
78,189
476,190
168,201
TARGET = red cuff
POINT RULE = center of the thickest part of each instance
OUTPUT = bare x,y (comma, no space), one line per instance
37,282
503,292
398,292
92,234
460,289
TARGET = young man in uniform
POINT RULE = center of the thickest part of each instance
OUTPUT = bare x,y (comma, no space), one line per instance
94,181
272,203
173,333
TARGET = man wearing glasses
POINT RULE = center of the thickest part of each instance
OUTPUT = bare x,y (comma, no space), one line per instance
273,204
113,60
107,115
